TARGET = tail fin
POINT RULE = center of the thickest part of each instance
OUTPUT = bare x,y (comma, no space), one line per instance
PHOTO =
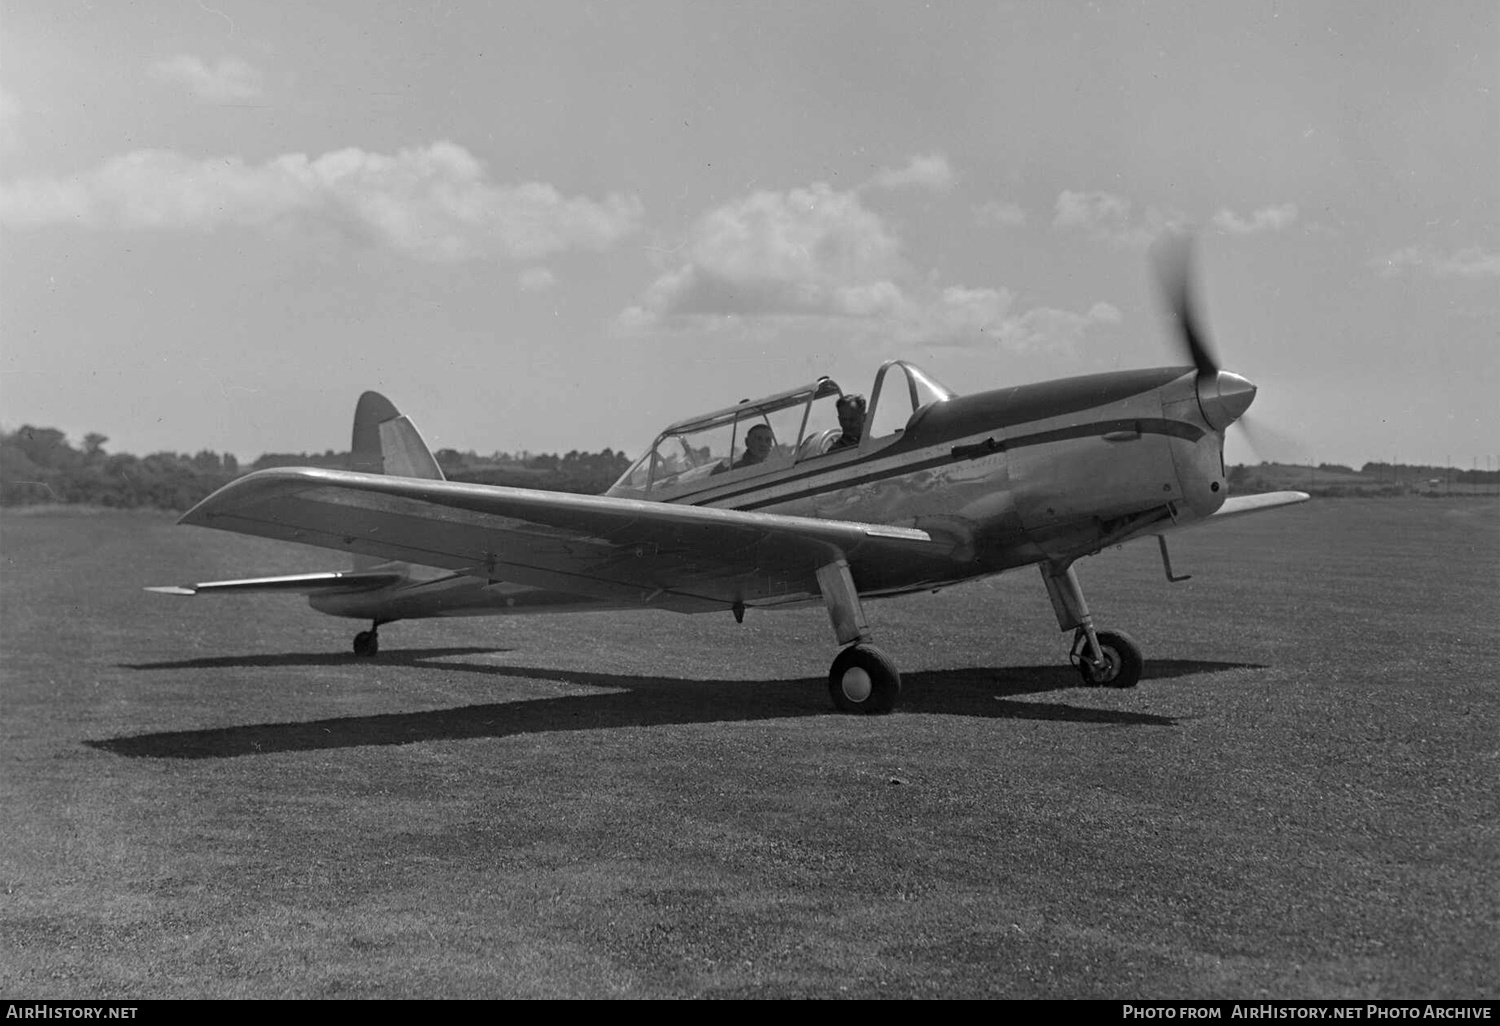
386,442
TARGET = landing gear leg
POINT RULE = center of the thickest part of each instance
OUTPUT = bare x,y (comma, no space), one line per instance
863,679
1108,658
367,643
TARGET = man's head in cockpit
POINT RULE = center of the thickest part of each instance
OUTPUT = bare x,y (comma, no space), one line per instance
851,411
758,442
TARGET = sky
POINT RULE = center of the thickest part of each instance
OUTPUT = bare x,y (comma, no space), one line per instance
554,226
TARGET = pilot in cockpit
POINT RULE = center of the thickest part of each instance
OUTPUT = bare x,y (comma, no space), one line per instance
851,411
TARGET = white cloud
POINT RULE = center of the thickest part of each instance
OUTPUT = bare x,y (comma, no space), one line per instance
930,171
819,253
1109,218
536,279
1090,210
1048,327
954,316
1263,220
434,203
231,79
806,251
974,318
1009,214
1112,218
1470,262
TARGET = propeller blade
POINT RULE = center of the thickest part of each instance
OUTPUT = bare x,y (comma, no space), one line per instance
1253,436
1269,444
1173,257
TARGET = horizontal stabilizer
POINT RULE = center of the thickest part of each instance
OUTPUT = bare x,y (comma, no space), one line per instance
302,584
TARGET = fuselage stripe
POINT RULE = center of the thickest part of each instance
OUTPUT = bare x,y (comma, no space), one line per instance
850,474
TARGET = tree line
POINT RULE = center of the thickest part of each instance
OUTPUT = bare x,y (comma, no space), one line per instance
39,466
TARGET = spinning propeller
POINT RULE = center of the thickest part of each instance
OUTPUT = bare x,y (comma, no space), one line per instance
1223,395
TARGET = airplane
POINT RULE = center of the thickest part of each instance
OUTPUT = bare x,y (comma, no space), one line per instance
928,489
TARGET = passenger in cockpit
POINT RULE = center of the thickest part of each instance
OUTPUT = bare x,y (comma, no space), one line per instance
851,411
758,442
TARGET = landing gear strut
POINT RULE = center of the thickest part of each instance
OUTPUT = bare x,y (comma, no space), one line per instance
1107,658
863,679
367,643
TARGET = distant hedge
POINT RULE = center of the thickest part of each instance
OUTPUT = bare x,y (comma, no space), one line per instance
38,466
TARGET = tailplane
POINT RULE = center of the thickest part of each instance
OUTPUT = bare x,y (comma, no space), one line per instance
385,442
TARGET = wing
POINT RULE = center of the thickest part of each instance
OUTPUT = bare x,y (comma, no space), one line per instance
686,558
300,584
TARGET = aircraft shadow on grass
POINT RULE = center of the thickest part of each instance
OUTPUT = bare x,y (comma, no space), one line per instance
396,657
624,701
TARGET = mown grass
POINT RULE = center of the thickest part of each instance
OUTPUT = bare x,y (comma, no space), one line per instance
206,797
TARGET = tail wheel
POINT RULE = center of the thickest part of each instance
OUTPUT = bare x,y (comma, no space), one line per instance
863,679
1123,662
366,643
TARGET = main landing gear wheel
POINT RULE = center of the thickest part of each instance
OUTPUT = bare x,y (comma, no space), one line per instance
863,679
366,643
1123,661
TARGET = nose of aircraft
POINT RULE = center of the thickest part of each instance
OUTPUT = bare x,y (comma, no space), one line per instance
1224,397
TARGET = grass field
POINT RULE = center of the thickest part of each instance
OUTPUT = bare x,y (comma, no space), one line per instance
208,798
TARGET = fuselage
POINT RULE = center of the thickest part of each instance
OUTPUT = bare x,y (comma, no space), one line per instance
1040,472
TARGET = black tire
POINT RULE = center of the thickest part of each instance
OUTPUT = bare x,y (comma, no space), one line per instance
1123,662
366,643
863,679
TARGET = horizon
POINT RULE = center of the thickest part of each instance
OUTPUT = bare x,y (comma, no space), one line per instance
1491,461
555,228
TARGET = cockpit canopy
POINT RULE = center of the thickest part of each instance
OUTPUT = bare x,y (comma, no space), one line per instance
803,424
